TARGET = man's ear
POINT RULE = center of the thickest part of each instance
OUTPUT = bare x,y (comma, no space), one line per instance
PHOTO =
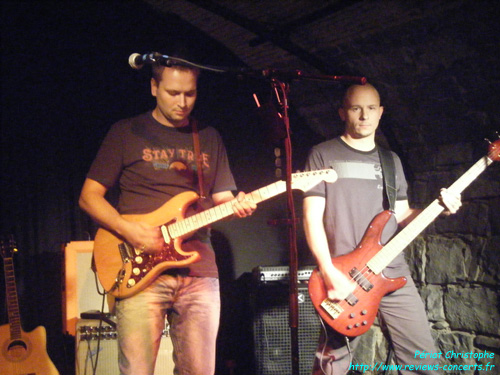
342,113
381,110
154,87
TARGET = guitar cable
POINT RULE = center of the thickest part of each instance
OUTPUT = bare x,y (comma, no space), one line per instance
99,335
99,328
347,342
324,346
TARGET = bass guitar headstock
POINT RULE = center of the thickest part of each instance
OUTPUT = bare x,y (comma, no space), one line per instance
7,246
494,149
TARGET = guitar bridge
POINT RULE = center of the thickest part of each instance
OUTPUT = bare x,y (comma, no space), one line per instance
332,308
360,279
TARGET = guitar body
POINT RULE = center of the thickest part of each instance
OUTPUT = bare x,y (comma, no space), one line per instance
355,315
27,355
124,272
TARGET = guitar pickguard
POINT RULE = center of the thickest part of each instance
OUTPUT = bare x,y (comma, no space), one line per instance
142,263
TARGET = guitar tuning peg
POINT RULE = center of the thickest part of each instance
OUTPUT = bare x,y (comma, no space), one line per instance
487,140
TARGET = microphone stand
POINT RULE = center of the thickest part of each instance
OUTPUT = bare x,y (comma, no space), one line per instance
282,89
280,83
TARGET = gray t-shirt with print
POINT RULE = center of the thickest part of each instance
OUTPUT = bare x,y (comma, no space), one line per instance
356,197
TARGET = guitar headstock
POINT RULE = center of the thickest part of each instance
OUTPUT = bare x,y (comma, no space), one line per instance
494,150
306,180
7,246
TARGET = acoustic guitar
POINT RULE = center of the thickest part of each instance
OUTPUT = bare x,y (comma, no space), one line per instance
22,353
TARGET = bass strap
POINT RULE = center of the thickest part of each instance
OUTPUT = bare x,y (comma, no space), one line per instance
389,176
197,155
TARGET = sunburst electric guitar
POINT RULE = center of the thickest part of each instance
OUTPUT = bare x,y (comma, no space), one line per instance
124,270
355,314
22,353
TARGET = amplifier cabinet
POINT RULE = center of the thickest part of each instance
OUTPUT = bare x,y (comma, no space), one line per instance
272,343
79,286
87,344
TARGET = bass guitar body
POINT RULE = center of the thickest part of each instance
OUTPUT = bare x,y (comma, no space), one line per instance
26,355
354,315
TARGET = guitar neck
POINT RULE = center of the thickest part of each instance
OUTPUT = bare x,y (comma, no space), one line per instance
12,301
387,254
222,211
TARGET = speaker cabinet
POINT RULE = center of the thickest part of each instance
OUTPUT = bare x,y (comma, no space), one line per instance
90,350
272,343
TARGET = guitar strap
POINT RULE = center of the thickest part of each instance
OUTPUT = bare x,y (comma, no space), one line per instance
197,155
389,176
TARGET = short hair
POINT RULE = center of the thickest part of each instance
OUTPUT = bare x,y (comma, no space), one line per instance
157,70
180,60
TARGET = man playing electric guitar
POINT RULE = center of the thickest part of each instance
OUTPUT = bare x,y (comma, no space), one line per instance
336,216
154,157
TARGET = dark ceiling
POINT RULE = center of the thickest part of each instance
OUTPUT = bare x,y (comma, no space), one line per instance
263,33
295,33
412,50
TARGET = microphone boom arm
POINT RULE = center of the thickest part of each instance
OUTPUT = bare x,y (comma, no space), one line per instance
137,61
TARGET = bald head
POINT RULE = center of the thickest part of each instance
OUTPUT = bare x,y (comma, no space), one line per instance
354,90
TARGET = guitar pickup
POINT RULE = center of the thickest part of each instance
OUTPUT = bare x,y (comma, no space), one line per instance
360,279
126,251
351,299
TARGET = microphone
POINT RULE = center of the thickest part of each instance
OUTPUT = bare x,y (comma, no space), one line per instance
137,61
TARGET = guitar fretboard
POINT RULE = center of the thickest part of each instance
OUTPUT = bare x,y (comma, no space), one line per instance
415,227
222,211
300,180
12,301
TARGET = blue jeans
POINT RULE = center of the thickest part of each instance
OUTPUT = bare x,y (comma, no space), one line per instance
193,308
